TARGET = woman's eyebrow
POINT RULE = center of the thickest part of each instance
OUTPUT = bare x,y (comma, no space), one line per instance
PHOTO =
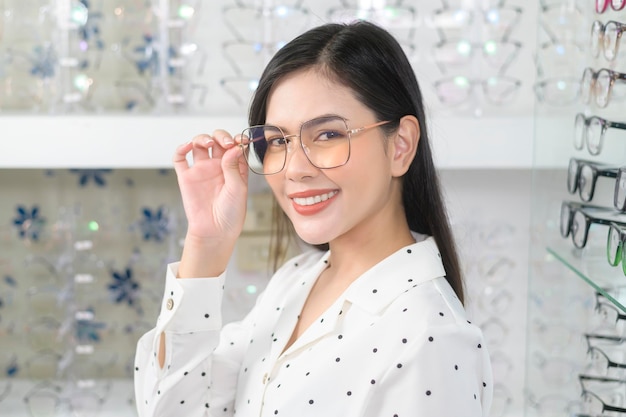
321,116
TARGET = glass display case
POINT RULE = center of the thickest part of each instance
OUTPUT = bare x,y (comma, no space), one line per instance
577,303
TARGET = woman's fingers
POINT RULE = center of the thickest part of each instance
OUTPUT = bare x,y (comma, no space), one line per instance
180,156
203,147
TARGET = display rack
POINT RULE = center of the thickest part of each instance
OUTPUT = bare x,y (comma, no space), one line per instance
574,291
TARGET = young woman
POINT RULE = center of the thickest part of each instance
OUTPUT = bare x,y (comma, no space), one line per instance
370,320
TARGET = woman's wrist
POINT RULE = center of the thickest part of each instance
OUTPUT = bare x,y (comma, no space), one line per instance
204,257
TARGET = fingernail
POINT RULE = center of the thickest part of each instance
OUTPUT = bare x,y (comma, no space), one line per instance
208,140
228,141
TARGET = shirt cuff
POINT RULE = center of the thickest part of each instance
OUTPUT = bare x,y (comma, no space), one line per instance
191,304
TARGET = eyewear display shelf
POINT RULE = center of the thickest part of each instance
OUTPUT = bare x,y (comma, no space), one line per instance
576,299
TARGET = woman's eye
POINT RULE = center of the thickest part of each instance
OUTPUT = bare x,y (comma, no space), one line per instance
276,141
329,135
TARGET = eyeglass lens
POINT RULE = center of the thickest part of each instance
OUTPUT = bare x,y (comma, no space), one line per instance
325,141
603,84
589,131
619,196
579,228
614,245
612,34
603,5
587,182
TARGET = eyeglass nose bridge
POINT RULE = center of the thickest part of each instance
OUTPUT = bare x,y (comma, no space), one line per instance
288,143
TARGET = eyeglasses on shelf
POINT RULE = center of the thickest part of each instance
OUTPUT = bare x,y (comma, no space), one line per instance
401,20
606,37
609,318
600,85
559,58
583,175
576,221
560,20
249,58
458,52
615,246
266,24
499,20
590,131
49,399
498,90
601,364
593,404
240,89
558,92
603,5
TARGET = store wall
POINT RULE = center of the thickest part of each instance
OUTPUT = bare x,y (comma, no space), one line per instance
83,256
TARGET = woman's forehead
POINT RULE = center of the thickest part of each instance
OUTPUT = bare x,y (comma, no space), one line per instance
307,94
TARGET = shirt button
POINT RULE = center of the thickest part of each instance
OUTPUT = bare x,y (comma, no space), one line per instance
170,304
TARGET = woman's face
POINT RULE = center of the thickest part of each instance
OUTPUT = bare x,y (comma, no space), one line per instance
350,201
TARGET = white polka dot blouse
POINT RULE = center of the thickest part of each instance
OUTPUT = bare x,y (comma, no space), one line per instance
396,343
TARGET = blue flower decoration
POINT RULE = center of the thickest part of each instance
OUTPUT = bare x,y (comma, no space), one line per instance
148,56
90,32
95,175
12,368
28,222
10,281
88,331
154,224
124,289
43,62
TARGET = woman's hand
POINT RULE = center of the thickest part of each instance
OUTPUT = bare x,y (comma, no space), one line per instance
214,188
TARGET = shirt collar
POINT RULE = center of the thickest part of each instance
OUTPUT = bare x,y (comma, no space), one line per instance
396,274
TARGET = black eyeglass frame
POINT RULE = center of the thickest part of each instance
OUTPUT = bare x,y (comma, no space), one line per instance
574,176
585,391
589,220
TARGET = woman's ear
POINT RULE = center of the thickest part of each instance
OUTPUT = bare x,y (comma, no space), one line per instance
404,145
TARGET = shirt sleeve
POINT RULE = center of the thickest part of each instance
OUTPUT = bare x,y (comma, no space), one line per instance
190,318
447,372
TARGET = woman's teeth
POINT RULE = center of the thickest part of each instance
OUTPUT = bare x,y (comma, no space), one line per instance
309,201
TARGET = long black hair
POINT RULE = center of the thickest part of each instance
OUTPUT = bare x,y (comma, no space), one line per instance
367,59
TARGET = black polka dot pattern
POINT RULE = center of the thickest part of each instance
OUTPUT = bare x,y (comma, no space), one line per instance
382,339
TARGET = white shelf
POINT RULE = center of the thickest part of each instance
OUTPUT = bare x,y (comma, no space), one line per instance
105,141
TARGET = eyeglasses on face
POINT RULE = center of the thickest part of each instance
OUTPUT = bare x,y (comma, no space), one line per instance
603,5
325,142
599,84
606,38
590,131
576,221
583,175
